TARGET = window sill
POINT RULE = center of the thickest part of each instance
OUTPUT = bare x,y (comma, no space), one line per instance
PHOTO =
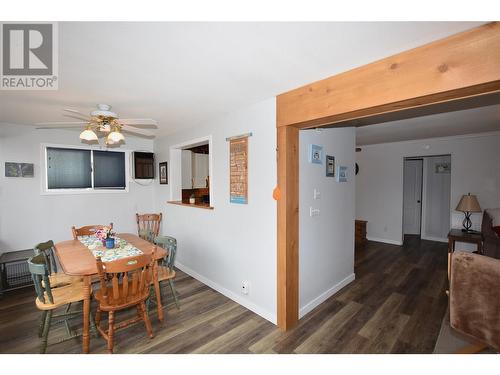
204,206
83,191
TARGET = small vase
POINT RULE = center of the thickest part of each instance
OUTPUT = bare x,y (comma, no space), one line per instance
103,242
110,243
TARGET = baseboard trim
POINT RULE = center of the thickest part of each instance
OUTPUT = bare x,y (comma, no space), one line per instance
437,239
229,294
383,240
308,307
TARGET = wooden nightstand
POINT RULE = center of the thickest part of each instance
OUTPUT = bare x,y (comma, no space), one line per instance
456,235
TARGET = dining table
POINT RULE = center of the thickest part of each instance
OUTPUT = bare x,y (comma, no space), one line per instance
76,259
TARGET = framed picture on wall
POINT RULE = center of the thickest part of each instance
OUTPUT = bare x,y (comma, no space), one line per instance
19,169
315,154
341,174
163,173
442,167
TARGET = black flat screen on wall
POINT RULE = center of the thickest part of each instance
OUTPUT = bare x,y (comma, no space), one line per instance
144,165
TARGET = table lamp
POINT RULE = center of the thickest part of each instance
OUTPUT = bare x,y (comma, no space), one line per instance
467,205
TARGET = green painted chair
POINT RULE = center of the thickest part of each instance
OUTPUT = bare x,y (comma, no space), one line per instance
166,271
56,278
49,298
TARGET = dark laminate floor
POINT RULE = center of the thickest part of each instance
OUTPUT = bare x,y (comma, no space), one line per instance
395,305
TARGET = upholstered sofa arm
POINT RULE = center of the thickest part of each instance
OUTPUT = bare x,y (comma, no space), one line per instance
475,297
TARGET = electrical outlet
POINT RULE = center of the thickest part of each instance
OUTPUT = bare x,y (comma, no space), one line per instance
313,211
245,287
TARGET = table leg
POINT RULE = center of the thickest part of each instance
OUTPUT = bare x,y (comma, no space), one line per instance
86,314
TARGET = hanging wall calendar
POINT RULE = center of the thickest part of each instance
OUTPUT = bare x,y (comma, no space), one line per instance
238,168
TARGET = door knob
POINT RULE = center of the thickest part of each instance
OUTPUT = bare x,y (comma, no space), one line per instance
418,201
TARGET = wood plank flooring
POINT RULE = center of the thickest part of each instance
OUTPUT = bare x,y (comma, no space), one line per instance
395,305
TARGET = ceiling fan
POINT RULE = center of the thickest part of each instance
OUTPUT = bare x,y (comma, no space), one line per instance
103,122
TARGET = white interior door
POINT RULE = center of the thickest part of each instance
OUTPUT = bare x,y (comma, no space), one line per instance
412,196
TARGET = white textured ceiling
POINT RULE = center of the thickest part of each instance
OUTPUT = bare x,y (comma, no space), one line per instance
469,121
182,74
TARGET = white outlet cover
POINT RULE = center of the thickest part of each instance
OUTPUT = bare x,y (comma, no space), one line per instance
245,287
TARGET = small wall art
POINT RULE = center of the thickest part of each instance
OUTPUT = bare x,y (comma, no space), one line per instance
444,167
341,174
19,169
163,173
315,154
330,166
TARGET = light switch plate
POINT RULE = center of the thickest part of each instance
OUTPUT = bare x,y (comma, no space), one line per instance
316,194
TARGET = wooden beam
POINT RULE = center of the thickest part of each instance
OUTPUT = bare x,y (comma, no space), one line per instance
288,227
460,66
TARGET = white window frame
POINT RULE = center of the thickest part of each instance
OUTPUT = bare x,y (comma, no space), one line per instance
43,168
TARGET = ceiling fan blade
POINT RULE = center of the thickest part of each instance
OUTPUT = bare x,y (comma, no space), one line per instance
78,117
71,123
145,123
58,127
75,111
131,130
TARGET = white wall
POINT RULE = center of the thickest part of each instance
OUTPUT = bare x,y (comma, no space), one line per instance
379,194
436,195
231,243
27,217
326,242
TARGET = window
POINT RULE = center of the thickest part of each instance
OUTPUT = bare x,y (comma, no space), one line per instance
68,168
109,170
82,169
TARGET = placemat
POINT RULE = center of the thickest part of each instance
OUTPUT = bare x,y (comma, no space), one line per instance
122,249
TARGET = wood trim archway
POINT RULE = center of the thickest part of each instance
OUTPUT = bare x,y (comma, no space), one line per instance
434,77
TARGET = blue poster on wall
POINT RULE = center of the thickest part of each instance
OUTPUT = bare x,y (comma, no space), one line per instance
238,200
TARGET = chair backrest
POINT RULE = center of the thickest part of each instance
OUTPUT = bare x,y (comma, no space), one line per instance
87,230
170,244
475,297
148,226
47,249
40,272
129,278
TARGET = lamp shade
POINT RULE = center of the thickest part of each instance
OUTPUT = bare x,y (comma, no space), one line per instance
115,136
88,135
468,203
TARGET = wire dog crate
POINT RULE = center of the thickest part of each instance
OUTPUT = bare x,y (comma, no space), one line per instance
14,271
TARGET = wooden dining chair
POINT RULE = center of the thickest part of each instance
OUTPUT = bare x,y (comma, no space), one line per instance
124,283
48,299
165,270
87,230
56,278
148,226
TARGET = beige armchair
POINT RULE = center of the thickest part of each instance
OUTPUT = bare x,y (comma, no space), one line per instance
475,299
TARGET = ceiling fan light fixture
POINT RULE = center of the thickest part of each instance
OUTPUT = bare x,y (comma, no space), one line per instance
115,136
88,135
